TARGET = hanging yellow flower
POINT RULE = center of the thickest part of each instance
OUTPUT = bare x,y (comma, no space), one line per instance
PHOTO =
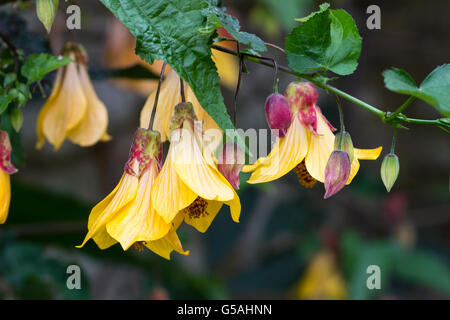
170,96
322,279
189,184
126,215
6,169
307,145
73,109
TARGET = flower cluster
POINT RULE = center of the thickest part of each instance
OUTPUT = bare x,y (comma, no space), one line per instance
307,146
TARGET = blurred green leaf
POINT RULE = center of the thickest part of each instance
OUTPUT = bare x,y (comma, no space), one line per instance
329,40
37,66
287,10
322,8
435,89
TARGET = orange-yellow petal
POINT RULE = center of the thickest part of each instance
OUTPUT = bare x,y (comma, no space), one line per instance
138,221
202,223
286,154
46,107
166,245
320,148
67,108
104,211
92,126
169,193
362,154
5,196
194,171
169,96
227,66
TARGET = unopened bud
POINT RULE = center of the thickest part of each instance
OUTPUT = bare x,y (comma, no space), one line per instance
337,172
5,154
278,114
390,167
302,99
46,12
346,144
231,161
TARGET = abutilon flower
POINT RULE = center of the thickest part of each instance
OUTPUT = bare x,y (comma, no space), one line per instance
190,186
169,97
6,169
73,109
126,215
307,145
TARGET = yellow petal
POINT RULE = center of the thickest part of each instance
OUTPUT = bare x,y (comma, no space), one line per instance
104,211
46,107
320,148
67,108
166,245
202,223
368,154
169,96
235,207
138,221
103,239
92,126
286,154
363,154
227,67
195,172
5,196
169,194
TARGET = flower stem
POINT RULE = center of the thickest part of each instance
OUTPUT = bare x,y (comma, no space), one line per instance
378,112
401,108
394,140
155,104
183,95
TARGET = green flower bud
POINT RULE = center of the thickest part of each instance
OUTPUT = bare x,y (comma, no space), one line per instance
46,12
389,170
347,144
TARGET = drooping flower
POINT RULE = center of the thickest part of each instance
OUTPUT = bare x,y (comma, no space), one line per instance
169,97
322,279
126,215
307,145
189,185
73,109
337,172
6,169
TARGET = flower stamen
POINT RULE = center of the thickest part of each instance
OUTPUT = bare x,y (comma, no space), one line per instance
197,208
304,178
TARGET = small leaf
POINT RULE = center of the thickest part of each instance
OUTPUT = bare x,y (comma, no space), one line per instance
16,117
5,100
37,66
9,78
328,40
434,90
46,12
219,18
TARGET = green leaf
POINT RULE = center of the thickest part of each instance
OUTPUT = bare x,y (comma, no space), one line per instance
37,66
435,89
5,100
328,40
219,18
322,8
16,119
168,30
46,12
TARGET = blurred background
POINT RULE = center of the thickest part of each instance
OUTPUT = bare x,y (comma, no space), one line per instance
290,243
